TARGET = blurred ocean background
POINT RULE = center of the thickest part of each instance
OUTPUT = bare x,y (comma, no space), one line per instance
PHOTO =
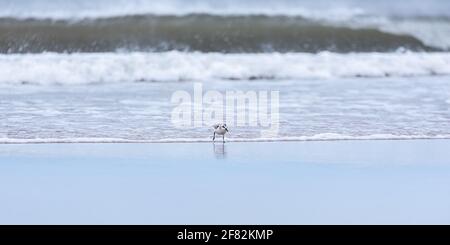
104,71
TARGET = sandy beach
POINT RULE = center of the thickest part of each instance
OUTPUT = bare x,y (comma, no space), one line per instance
334,112
314,182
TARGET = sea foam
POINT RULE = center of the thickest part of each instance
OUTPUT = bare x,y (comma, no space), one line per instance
66,69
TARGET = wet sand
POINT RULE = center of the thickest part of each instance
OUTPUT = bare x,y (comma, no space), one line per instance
315,182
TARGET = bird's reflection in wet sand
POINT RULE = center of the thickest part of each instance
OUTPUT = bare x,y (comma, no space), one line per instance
220,150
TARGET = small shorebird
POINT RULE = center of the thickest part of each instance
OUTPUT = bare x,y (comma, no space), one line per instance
220,129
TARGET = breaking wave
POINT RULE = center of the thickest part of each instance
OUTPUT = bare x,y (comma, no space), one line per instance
206,33
87,68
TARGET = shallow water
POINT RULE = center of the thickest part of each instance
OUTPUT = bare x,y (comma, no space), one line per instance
105,71
377,108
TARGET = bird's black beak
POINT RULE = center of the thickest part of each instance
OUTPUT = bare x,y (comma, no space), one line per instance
226,129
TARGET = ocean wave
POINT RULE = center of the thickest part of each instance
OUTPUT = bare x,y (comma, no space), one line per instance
427,21
87,68
317,137
209,33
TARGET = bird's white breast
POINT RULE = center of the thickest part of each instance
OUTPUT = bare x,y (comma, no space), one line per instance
220,131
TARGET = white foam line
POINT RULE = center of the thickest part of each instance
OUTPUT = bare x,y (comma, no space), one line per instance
117,8
318,137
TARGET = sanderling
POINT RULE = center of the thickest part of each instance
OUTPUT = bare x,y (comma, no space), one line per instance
220,129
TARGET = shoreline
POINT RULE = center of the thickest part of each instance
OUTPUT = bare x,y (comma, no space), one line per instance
189,141
310,182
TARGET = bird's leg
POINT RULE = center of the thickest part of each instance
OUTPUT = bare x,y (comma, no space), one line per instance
214,136
223,138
